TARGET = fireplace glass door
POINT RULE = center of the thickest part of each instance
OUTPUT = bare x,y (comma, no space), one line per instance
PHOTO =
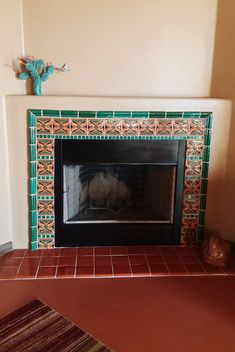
118,192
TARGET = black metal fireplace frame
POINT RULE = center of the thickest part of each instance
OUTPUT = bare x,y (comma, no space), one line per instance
157,152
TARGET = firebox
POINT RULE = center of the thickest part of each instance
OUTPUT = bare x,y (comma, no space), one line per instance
118,192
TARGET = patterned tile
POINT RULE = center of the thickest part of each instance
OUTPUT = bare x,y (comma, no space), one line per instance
158,125
45,226
45,146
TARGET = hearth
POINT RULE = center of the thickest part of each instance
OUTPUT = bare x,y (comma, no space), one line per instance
118,192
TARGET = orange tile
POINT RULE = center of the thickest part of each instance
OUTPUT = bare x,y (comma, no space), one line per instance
85,271
195,268
137,259
85,251
30,262
65,271
67,252
67,261
172,258
176,268
46,272
19,253
27,272
135,250
8,272
49,261
103,260
142,270
190,259
55,252
102,251
158,269
119,250
151,250
85,260
120,260
12,261
36,253
103,270
121,270
154,259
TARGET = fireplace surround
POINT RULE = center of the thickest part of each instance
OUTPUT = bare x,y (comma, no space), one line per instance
47,126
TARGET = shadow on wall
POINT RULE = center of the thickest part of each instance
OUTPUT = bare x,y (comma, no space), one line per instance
223,86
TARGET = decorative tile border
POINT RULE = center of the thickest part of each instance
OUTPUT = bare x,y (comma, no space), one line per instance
47,125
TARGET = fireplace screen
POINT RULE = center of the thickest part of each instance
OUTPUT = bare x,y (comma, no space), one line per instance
118,193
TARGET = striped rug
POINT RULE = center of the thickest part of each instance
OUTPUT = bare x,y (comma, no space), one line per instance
38,328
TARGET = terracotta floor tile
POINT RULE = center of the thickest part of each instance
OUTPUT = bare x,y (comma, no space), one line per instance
49,261
120,260
121,270
55,252
12,261
85,251
168,250
152,250
135,250
211,269
8,272
195,268
46,272
103,270
30,262
176,268
85,271
103,260
137,259
85,260
67,252
27,272
36,253
119,251
140,270
154,259
185,250
172,258
19,253
102,251
158,269
67,261
190,259
65,271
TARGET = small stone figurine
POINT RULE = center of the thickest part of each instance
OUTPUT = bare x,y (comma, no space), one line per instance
216,250
38,71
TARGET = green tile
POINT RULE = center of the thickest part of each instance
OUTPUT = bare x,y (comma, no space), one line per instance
206,154
104,114
32,135
32,152
205,115
33,202
33,218
203,202
122,114
192,114
202,217
204,185
37,112
207,138
34,233
87,114
33,186
53,113
32,119
208,123
69,113
157,114
200,233
205,170
140,114
33,245
174,114
33,167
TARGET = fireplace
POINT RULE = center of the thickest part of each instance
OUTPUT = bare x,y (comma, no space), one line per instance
184,197
118,192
